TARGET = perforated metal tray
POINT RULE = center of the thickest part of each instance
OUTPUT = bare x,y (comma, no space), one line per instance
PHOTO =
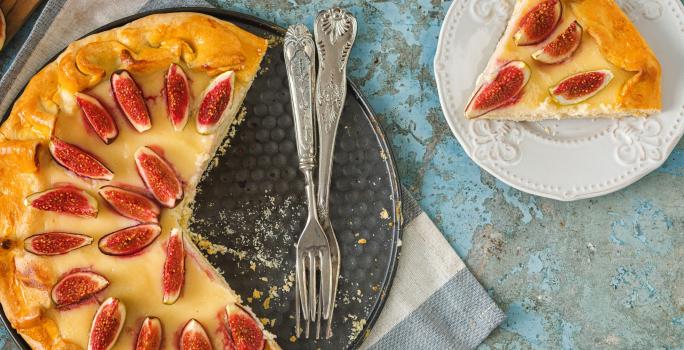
250,207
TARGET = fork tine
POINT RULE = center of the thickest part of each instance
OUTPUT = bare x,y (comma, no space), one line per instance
313,292
318,317
301,284
298,321
326,284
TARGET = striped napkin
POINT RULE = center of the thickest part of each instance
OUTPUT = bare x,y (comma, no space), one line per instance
443,309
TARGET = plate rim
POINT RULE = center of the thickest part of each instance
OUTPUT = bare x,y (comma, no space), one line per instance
451,120
397,217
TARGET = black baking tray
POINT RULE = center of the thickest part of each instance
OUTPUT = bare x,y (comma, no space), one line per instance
251,206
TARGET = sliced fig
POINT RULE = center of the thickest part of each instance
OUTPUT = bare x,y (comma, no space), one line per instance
55,243
177,96
65,199
562,46
173,276
579,87
215,103
78,161
505,87
538,23
159,177
107,324
76,287
99,118
246,331
131,204
130,100
150,335
130,240
194,337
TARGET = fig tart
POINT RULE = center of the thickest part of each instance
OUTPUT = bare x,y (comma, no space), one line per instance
99,160
568,59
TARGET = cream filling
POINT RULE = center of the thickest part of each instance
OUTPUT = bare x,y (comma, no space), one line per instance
536,99
136,280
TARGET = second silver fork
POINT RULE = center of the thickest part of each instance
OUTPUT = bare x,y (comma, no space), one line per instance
313,265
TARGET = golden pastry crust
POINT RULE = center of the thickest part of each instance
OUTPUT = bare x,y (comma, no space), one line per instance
200,42
622,45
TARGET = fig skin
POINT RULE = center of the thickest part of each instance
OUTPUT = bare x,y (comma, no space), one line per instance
65,199
246,331
194,337
562,47
76,287
215,103
130,100
581,86
55,243
159,177
538,23
177,92
78,161
98,117
502,90
107,325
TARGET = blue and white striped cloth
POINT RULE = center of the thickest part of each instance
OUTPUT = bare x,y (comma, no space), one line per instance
443,309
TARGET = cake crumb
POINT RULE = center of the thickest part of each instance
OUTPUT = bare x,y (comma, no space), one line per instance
265,321
267,303
384,214
293,339
256,294
363,241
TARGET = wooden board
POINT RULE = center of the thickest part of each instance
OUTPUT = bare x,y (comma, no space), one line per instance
16,13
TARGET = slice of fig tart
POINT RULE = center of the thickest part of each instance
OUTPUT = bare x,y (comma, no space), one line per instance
567,59
99,161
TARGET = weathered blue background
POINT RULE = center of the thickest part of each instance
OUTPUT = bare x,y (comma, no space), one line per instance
603,273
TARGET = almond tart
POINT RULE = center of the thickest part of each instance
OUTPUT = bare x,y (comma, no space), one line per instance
99,161
568,59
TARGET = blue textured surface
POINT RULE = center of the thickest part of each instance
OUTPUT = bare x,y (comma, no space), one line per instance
603,273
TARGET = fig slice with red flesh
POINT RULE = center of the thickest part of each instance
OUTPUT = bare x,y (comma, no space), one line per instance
130,240
150,335
76,287
177,90
65,199
194,337
159,177
538,23
55,243
505,87
78,161
173,276
580,87
562,46
215,103
130,100
107,324
131,204
246,331
98,117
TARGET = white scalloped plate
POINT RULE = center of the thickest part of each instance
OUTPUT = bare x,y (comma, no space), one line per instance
569,159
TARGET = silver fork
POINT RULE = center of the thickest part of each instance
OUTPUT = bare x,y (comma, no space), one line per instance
335,31
313,248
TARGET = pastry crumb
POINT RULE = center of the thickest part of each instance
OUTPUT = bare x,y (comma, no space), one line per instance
256,294
362,241
384,214
293,339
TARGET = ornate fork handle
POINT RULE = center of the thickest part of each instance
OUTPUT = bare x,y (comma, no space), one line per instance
300,61
335,31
